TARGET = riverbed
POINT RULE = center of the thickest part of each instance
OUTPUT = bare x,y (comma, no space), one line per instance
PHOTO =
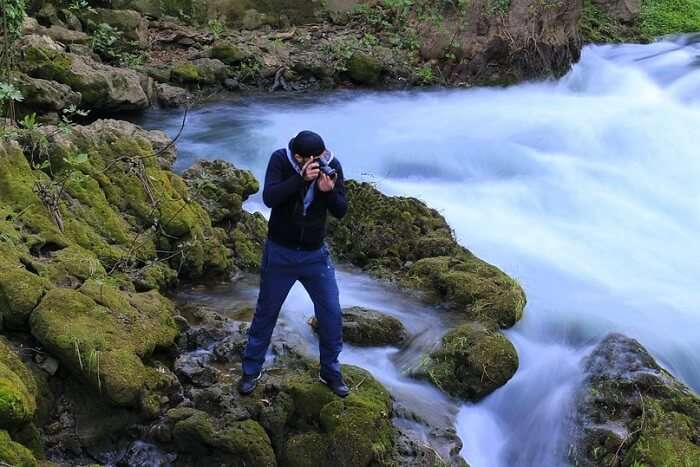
584,189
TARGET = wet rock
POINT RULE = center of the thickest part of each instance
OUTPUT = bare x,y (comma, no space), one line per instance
47,363
195,368
171,96
630,411
471,362
367,328
232,84
145,454
221,189
230,349
385,234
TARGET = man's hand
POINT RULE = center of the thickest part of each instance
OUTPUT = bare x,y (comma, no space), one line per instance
310,170
326,183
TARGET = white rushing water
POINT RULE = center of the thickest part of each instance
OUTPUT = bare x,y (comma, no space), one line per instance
587,190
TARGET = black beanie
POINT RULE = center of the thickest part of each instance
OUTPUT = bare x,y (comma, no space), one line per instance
307,143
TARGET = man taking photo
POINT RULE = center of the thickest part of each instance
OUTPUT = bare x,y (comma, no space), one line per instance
302,183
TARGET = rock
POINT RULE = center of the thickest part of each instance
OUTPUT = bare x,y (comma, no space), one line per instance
364,69
232,84
625,11
101,333
83,49
214,441
199,71
133,26
29,25
18,390
195,368
46,363
41,95
227,52
221,189
382,234
101,86
253,19
37,41
248,239
630,411
64,35
369,328
140,453
15,454
171,96
471,362
150,8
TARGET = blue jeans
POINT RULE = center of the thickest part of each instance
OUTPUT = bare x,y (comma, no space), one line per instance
281,268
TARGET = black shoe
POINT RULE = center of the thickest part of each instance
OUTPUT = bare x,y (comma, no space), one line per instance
247,383
337,385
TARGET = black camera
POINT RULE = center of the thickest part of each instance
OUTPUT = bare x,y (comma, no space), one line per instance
325,167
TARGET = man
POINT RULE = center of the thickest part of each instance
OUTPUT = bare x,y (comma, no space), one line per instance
299,194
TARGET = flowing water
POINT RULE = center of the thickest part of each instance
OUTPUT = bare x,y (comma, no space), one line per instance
586,189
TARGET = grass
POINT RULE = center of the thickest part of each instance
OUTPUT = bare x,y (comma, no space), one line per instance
661,17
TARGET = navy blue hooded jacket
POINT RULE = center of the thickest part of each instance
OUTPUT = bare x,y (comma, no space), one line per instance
284,193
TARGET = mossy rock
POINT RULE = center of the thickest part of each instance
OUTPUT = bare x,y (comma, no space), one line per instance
199,71
15,454
366,328
215,441
221,189
17,390
227,52
403,240
364,69
631,411
20,290
102,333
248,240
471,362
327,430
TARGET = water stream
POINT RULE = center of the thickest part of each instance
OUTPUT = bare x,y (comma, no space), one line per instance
586,189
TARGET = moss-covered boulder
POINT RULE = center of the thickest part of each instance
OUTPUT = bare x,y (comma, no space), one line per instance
130,23
221,189
366,328
102,334
248,239
220,441
327,430
199,71
14,454
404,240
364,69
471,362
228,52
17,390
630,411
100,86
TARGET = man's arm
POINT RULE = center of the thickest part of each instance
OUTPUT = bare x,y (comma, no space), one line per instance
336,200
277,189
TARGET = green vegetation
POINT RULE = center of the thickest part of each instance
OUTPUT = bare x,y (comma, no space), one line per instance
661,17
657,18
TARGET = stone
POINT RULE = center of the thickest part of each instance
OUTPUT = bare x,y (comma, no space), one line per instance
364,69
232,84
630,411
171,96
42,95
133,26
368,328
64,35
471,362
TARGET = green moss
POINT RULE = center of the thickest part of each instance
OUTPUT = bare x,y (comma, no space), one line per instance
661,17
101,333
597,26
20,291
13,453
239,443
228,53
471,362
353,431
364,69
185,73
17,403
248,240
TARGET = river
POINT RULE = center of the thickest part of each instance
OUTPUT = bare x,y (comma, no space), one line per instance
585,189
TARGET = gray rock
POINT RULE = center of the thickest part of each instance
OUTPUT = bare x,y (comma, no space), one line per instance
42,95
171,96
47,363
64,35
232,84
194,367
365,327
133,26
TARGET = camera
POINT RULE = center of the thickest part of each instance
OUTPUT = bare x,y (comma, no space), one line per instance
325,167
